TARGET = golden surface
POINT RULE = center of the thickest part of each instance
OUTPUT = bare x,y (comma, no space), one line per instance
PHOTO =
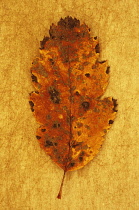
29,179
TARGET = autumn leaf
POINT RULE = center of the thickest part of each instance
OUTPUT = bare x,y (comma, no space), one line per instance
69,80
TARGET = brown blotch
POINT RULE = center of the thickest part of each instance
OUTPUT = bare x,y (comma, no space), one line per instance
82,153
81,67
81,158
86,63
95,37
87,126
34,78
72,164
43,129
54,95
48,117
94,67
51,61
79,125
42,43
79,133
56,125
86,105
48,143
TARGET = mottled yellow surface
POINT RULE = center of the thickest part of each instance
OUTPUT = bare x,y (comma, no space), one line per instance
29,179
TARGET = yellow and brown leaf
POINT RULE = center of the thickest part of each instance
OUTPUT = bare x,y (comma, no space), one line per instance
69,81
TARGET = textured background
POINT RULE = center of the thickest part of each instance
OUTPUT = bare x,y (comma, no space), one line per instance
29,179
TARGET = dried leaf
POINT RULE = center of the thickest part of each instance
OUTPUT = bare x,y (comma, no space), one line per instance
69,81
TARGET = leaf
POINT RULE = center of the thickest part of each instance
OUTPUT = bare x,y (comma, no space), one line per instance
69,81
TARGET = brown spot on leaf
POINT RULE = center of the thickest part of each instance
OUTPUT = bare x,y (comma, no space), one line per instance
48,143
86,105
54,95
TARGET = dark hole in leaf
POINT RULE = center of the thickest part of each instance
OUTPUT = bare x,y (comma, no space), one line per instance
31,105
34,78
87,75
48,143
86,105
108,70
36,92
38,137
115,104
43,130
77,93
95,37
102,61
97,48
56,125
54,95
111,121
61,37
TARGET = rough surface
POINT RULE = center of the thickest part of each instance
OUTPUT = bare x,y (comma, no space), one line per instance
69,80
28,177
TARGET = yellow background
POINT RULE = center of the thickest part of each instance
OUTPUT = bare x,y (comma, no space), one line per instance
29,179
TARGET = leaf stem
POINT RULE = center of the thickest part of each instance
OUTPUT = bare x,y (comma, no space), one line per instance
60,191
